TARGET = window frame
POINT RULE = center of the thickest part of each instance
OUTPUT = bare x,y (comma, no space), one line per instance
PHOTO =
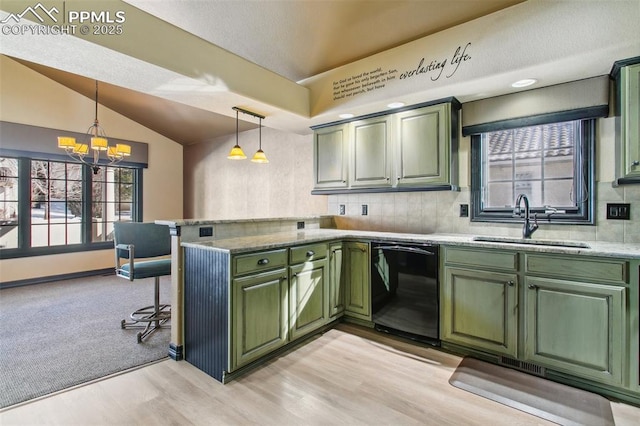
584,214
24,248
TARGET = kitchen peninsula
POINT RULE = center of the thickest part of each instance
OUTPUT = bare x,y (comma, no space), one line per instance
251,297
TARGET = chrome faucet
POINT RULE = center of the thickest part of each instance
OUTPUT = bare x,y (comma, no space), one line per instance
528,229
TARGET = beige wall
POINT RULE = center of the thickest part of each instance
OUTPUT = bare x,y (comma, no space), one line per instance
218,188
438,212
27,97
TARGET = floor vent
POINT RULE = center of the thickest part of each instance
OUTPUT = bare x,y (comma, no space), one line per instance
524,366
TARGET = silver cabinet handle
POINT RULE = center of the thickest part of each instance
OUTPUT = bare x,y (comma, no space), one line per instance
635,163
510,283
310,253
263,262
533,286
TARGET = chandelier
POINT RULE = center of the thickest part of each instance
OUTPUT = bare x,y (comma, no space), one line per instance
99,144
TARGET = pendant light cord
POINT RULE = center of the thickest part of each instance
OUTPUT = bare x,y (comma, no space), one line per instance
96,101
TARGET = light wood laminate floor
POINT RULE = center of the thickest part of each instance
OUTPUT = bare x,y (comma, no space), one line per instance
349,376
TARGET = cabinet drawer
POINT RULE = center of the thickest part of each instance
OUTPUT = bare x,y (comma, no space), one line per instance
307,253
262,261
494,259
590,269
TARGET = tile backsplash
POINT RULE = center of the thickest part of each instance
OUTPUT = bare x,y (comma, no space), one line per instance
439,212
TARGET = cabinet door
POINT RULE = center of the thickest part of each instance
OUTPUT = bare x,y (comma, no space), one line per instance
479,309
260,315
423,146
630,120
330,157
371,157
576,327
308,297
358,294
336,281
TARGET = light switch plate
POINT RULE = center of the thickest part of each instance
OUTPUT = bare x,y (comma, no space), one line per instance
342,209
618,211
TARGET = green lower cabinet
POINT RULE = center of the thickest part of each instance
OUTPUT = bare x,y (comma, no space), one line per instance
576,328
260,315
357,287
308,297
336,281
479,309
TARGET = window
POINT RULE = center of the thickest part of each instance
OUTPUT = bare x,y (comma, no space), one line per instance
9,208
550,163
55,206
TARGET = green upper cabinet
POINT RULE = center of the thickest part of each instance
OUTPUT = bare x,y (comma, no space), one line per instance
628,123
425,155
330,149
414,149
371,156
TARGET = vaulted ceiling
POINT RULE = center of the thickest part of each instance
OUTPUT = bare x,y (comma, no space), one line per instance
181,64
295,39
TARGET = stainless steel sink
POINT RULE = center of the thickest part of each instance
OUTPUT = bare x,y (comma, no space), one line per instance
551,243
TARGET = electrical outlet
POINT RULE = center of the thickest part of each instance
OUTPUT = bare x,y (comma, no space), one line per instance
206,231
365,210
618,211
464,210
300,225
342,209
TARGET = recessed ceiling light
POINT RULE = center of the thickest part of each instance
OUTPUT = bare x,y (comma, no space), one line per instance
396,104
346,115
524,83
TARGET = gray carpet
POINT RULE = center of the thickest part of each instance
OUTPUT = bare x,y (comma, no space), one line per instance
57,335
543,398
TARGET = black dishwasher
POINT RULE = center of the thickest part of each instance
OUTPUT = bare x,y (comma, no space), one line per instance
404,290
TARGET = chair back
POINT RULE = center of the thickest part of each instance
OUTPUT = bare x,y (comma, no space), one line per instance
149,239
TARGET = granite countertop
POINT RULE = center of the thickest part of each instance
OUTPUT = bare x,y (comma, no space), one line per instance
285,239
204,222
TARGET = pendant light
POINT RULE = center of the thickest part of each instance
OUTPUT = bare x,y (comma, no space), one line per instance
259,156
236,152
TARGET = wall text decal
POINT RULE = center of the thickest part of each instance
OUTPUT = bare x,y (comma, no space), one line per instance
368,81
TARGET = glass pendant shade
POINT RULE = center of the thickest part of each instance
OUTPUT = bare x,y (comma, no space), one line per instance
236,153
259,157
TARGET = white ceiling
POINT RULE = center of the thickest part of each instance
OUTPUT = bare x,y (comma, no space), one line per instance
299,39
158,83
293,38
